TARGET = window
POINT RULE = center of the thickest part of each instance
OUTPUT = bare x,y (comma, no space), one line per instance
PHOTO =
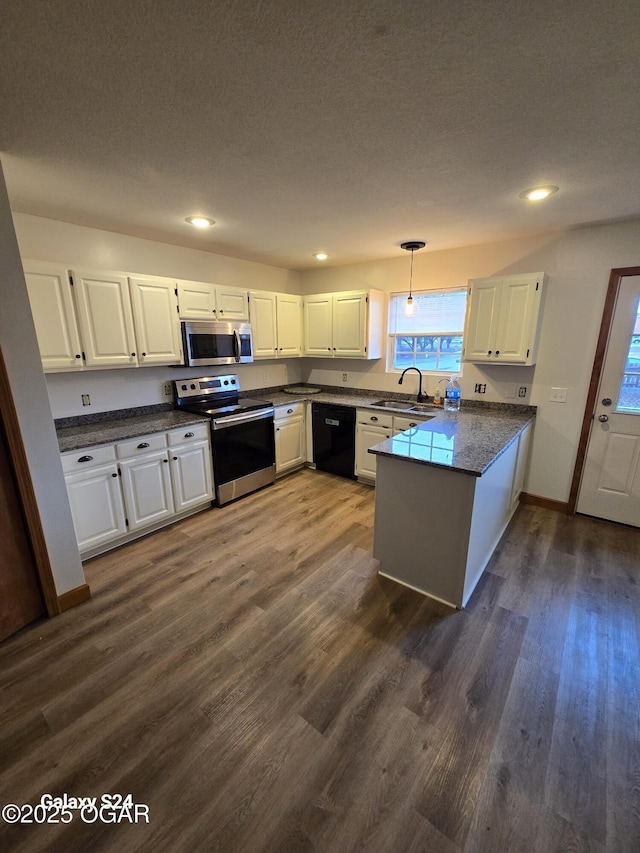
629,396
431,339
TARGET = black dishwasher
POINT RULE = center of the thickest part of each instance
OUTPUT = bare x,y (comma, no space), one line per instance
334,439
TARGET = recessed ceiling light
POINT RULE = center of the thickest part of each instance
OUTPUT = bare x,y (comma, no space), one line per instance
200,221
321,256
538,193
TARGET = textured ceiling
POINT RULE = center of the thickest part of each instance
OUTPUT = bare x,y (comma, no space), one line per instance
305,126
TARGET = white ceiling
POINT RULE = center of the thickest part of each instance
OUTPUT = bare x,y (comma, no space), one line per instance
340,125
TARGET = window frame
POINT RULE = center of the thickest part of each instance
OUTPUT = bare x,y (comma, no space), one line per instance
391,336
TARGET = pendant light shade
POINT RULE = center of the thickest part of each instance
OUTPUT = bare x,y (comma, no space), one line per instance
411,246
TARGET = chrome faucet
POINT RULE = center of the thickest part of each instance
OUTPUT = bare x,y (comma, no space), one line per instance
422,398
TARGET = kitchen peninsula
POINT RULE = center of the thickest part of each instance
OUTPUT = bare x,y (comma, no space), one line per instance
445,493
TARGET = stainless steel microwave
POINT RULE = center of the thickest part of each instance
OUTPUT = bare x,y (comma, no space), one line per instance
213,342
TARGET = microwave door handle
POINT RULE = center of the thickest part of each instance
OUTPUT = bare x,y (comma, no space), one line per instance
236,345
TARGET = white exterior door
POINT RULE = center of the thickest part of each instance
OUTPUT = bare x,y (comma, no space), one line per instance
155,315
54,316
96,506
289,315
350,324
106,319
263,324
146,483
191,475
318,330
610,486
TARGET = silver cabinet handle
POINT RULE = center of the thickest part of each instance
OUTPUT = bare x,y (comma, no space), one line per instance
603,419
85,459
143,444
373,418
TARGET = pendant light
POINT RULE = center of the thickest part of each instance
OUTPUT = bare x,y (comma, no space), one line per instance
411,246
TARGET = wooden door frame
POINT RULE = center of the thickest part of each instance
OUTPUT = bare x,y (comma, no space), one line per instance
615,280
24,487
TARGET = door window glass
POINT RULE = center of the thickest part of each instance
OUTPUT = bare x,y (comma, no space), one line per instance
629,396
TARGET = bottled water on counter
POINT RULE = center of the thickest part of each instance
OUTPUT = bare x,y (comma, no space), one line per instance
452,395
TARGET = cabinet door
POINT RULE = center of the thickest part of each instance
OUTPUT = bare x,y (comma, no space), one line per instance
514,337
232,303
155,316
146,484
366,437
318,328
96,506
350,325
191,475
482,320
289,325
54,315
263,324
197,300
290,443
106,319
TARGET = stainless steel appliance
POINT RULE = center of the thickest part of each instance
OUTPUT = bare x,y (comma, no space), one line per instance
334,439
207,342
242,435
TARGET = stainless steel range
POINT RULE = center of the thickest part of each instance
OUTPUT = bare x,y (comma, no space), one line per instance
242,436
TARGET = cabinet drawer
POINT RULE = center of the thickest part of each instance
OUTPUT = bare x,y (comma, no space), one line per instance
185,435
378,419
140,445
400,424
281,412
88,457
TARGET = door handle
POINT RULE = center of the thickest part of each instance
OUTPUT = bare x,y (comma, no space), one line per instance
606,401
603,418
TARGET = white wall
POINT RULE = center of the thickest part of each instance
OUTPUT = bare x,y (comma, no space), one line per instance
578,264
22,359
90,248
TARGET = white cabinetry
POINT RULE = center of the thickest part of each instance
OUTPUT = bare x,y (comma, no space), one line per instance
95,498
289,425
344,325
54,316
137,485
503,319
276,321
199,300
127,321
371,428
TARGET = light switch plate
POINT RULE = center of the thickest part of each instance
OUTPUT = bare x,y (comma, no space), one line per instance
558,395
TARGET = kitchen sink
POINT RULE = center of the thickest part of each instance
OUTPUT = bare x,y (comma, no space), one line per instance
405,405
424,407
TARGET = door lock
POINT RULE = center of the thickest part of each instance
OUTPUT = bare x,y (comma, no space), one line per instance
606,401
603,418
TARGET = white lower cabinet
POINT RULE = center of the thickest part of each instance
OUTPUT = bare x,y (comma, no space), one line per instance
116,490
373,428
289,425
96,505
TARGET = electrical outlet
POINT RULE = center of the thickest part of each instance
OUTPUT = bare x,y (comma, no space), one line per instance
481,388
167,389
86,399
265,377
344,377
522,391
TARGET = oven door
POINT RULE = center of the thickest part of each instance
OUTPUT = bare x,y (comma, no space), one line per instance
217,343
244,455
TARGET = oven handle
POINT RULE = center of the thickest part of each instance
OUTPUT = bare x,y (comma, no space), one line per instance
236,344
224,423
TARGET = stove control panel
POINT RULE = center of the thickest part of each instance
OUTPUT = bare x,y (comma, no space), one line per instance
207,385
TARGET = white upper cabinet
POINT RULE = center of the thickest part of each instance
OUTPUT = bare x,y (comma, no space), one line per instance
344,325
106,319
155,315
503,319
276,323
200,300
289,324
54,316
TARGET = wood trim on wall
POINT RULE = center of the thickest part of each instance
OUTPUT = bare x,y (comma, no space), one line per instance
546,503
27,495
615,278
74,597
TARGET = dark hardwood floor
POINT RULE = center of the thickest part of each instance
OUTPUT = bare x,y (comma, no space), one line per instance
248,676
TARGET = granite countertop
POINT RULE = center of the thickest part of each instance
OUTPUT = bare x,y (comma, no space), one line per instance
108,432
468,441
